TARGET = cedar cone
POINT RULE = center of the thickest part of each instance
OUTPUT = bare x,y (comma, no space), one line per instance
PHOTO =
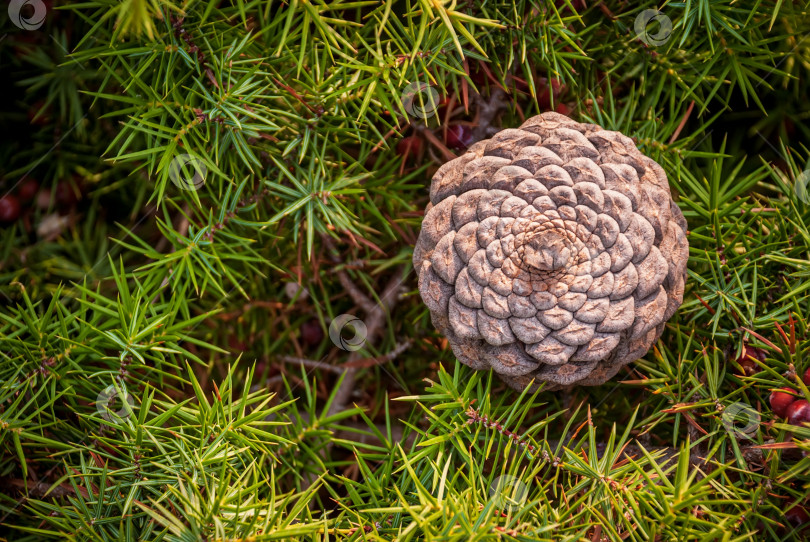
552,252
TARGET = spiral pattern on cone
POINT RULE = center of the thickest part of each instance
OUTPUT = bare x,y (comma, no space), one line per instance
552,252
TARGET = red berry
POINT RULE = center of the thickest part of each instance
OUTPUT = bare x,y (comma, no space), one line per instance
236,344
578,5
410,146
750,351
66,194
780,401
311,332
797,516
28,189
806,377
459,137
798,412
9,208
548,90
747,357
562,109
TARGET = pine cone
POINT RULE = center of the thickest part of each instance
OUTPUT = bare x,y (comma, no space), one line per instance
551,252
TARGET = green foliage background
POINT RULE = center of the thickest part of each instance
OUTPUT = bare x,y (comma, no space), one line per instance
210,308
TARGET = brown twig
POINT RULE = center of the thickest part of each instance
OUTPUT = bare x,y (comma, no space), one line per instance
487,111
379,360
312,364
361,299
375,317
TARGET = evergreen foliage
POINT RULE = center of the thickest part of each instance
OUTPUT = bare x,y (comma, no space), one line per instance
209,304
